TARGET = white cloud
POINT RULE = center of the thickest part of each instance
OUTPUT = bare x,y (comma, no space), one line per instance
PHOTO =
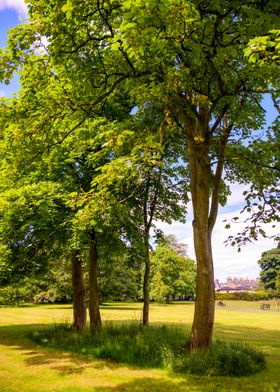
40,46
236,196
18,5
2,93
227,260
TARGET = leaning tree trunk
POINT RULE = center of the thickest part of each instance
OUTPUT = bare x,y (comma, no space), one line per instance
146,283
94,312
79,293
202,328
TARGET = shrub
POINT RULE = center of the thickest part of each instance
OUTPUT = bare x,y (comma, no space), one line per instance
222,359
155,346
13,296
245,296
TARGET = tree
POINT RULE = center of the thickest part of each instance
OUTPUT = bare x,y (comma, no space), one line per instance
171,241
145,177
161,194
55,153
172,275
187,56
119,277
32,232
270,269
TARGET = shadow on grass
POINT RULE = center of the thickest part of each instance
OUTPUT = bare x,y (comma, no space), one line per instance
116,307
138,305
17,338
189,385
158,385
25,305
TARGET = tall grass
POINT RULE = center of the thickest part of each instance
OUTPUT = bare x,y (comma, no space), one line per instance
158,346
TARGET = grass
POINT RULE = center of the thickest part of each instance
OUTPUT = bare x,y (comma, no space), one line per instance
28,367
159,346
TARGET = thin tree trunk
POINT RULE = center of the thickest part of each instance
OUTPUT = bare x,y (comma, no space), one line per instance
79,293
146,284
94,312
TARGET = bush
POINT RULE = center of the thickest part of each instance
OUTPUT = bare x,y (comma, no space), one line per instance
245,296
155,346
13,296
223,359
129,343
53,295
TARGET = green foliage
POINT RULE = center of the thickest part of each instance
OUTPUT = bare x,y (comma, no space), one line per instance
32,224
258,295
119,276
222,359
156,346
277,284
172,275
56,284
14,296
265,49
53,285
171,241
129,343
270,268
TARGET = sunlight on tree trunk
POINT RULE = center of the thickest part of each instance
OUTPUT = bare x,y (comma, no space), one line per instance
202,328
79,293
146,285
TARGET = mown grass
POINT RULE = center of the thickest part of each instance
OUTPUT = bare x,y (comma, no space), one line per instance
28,367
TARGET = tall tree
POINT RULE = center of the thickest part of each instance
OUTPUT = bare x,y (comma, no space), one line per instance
185,55
148,177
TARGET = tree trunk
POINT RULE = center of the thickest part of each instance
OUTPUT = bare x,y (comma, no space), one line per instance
79,293
202,328
146,284
94,312
203,323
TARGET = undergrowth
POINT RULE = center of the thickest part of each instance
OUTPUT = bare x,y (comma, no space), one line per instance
157,346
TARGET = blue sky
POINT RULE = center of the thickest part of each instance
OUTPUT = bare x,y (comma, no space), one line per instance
12,12
227,261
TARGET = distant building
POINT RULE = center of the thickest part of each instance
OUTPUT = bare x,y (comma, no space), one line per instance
236,285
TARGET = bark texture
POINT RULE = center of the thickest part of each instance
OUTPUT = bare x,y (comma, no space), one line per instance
79,293
94,311
146,284
202,328
204,184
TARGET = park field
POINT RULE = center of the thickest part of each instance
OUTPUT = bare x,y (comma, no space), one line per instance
27,367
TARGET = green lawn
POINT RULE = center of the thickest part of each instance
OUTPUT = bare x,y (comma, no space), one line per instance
26,367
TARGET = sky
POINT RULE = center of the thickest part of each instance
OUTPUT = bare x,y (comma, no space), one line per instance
227,261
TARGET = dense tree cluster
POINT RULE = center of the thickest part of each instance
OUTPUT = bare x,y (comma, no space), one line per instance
127,110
